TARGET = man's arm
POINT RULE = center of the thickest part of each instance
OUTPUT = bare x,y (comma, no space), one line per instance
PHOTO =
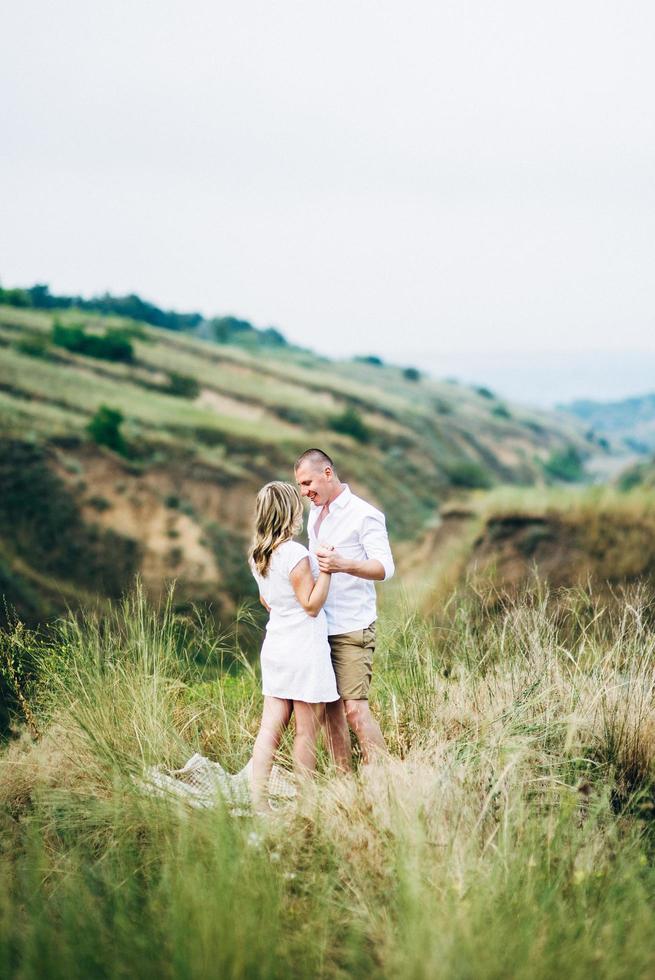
332,561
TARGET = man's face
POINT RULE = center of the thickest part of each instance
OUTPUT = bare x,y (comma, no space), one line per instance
314,482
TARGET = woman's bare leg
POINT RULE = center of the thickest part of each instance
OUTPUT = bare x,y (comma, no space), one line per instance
275,718
309,718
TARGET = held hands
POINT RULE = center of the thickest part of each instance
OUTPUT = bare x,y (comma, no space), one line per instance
328,559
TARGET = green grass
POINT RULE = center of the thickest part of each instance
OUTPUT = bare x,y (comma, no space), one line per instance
509,834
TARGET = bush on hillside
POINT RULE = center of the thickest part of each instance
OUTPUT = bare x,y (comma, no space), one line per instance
105,429
110,346
501,412
350,423
182,385
485,392
411,374
271,336
369,359
632,477
565,464
469,475
232,330
34,345
15,297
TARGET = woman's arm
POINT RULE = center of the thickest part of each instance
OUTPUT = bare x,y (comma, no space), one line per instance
310,594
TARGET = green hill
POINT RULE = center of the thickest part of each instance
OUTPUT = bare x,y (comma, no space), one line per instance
128,448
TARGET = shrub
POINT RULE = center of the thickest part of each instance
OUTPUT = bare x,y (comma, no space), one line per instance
99,503
485,392
182,385
631,478
369,359
110,346
105,429
350,423
565,464
501,412
70,337
470,475
175,557
411,374
34,345
15,297
272,337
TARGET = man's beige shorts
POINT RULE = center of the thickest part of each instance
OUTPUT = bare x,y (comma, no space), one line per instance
352,659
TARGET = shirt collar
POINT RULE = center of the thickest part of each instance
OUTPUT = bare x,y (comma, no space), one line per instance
338,502
342,499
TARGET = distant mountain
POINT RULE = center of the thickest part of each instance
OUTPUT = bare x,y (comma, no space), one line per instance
629,422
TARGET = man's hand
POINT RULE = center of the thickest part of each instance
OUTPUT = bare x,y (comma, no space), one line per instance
331,561
328,559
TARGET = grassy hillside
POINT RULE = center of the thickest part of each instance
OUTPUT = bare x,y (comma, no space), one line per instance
509,539
197,427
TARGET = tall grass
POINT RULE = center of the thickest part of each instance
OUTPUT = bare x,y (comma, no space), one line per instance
508,834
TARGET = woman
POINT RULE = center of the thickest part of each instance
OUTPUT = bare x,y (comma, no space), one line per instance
297,674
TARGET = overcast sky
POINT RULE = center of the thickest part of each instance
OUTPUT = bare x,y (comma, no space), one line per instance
451,183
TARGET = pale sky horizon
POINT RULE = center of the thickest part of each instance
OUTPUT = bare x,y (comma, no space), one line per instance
458,183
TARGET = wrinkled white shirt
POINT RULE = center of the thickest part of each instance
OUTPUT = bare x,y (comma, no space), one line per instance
357,531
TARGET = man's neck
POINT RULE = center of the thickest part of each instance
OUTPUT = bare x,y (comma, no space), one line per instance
339,488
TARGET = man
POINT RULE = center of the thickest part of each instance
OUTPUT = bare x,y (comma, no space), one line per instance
349,538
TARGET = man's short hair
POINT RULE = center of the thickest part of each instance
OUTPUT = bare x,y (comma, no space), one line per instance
316,457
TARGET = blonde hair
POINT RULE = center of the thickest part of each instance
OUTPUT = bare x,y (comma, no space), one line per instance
278,516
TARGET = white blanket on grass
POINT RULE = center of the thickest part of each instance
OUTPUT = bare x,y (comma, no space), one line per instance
202,783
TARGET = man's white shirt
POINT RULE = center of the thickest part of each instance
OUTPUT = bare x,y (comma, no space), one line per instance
357,531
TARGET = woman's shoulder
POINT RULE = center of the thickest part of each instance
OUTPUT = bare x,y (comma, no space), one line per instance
290,553
291,548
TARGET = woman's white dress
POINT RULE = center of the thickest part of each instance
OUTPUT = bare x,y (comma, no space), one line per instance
295,654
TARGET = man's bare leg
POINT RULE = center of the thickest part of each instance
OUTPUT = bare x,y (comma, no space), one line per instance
337,735
366,728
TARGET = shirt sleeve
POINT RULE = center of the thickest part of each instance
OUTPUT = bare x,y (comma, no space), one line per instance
375,540
295,554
